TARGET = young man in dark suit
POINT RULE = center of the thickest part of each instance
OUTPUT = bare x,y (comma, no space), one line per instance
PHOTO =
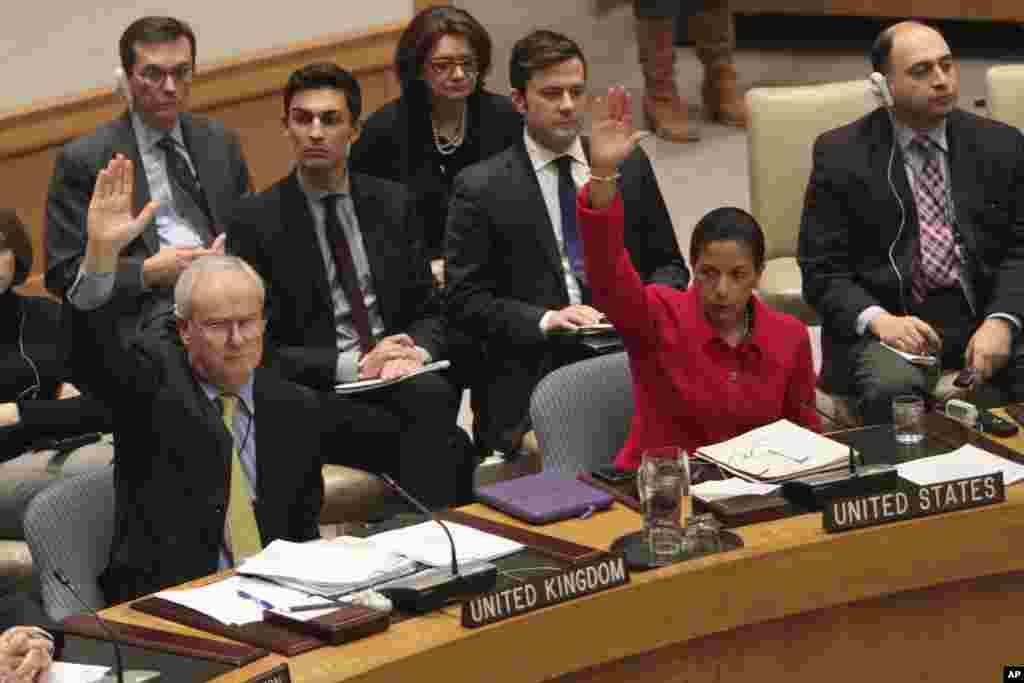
215,457
513,258
351,295
912,235
192,165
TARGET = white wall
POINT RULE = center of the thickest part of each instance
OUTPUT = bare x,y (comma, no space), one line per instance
52,48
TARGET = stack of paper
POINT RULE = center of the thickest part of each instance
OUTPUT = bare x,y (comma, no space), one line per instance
966,461
327,567
427,543
777,452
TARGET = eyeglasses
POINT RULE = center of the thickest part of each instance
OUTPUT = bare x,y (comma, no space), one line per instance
155,76
327,119
446,67
219,331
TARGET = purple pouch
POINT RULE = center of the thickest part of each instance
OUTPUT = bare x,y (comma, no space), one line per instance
542,498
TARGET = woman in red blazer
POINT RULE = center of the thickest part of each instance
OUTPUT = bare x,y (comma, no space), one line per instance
709,363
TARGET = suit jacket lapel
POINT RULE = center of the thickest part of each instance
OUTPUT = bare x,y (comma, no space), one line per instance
127,145
962,181
882,151
299,236
385,259
534,207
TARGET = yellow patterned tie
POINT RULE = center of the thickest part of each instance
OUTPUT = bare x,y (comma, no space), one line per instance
241,533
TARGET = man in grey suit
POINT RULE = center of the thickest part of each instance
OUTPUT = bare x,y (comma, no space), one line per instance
193,166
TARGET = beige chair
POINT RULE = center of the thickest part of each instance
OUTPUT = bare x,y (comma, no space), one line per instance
784,122
1005,85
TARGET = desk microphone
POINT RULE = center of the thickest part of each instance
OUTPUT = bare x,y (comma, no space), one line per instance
120,675
434,588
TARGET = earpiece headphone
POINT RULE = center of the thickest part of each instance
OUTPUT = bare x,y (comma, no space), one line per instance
121,86
880,86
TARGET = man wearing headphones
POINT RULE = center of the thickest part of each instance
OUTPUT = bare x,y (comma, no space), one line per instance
912,235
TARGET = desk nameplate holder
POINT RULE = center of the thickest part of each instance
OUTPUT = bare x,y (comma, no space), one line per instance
909,501
585,578
235,654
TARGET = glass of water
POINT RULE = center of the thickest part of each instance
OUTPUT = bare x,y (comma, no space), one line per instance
662,481
908,418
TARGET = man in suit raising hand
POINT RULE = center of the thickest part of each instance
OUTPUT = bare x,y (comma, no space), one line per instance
215,457
192,165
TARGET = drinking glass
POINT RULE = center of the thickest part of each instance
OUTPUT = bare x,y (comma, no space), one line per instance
662,481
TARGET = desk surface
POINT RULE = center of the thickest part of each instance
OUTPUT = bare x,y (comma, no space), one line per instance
794,601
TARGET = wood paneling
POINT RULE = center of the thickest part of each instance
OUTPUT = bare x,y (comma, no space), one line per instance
243,92
996,10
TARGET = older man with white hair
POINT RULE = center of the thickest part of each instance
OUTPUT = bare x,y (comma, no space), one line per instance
215,457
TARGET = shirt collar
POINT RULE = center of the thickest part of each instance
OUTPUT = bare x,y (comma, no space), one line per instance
541,156
244,392
148,137
905,135
316,196
703,332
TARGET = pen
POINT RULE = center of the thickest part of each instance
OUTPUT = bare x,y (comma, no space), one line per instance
310,608
249,596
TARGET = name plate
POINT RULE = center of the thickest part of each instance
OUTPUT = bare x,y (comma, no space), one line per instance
843,514
592,576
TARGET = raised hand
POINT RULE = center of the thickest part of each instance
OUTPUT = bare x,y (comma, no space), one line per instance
613,136
110,219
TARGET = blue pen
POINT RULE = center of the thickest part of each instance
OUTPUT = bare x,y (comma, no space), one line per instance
259,601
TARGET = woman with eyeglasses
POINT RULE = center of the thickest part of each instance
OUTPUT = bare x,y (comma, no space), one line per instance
709,363
444,119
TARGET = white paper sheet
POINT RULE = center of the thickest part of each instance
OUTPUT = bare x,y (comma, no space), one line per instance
733,486
67,672
427,543
966,461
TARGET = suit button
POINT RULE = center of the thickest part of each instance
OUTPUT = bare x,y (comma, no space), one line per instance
219,508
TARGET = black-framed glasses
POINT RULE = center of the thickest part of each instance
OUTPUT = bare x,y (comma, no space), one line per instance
155,76
327,119
446,67
218,331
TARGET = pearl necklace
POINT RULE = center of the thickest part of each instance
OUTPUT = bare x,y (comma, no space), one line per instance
445,146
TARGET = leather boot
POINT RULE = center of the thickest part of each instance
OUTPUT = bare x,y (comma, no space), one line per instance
664,110
714,34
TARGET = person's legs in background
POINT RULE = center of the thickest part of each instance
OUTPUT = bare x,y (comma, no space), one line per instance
713,30
664,109
711,27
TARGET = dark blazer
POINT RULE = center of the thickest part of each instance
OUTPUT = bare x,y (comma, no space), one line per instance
852,218
504,271
274,231
397,143
173,458
217,155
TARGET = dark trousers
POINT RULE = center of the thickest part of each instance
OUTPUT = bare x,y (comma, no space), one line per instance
406,431
879,374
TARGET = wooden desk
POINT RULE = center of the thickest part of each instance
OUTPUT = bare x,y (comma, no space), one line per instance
937,599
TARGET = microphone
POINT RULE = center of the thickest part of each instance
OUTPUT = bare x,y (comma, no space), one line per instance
434,588
120,675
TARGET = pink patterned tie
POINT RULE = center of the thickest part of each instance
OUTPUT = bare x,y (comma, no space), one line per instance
935,265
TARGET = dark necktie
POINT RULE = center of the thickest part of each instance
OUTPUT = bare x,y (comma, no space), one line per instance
182,173
567,202
345,268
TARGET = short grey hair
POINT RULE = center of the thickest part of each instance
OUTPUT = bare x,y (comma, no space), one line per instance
211,263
